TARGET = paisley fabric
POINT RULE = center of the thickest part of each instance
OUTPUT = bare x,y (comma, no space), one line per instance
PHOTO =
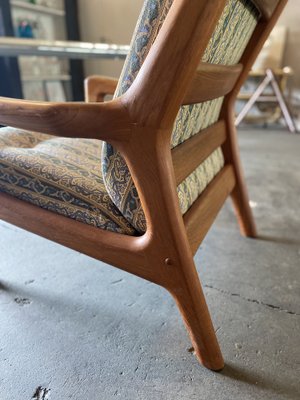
59,174
225,47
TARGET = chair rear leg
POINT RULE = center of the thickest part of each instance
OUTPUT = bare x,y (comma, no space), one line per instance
243,211
239,195
241,202
191,302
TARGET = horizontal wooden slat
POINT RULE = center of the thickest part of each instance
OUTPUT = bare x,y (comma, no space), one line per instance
96,87
266,7
212,81
202,213
191,153
122,251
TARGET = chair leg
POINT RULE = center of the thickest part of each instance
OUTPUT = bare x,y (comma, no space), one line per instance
242,208
239,195
191,302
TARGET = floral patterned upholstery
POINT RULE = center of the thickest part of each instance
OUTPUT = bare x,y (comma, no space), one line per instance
60,174
225,47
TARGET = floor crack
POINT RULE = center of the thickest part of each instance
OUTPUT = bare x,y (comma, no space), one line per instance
41,393
271,306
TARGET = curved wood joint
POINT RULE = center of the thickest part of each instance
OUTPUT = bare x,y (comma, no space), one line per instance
212,81
105,121
170,65
96,87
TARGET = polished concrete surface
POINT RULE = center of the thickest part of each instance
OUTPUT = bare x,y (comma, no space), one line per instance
75,328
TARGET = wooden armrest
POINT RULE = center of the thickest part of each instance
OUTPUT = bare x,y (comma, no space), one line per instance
96,87
106,121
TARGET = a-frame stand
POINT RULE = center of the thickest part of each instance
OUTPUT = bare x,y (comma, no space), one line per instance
278,97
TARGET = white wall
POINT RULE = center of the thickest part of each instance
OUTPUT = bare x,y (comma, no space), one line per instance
291,18
112,21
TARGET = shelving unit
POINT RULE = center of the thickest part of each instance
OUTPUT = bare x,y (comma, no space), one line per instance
33,78
41,75
43,23
37,8
10,82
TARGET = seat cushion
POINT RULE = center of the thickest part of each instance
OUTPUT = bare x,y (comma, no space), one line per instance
59,174
226,46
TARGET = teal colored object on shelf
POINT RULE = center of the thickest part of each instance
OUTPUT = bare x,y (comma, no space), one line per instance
25,30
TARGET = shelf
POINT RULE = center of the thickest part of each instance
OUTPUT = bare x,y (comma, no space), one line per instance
15,47
37,8
39,78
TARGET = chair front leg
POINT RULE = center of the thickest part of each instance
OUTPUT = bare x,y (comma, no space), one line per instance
190,300
167,249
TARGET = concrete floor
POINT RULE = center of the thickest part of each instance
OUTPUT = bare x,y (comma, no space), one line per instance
74,328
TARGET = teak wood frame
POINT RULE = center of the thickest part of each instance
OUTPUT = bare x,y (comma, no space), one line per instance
139,125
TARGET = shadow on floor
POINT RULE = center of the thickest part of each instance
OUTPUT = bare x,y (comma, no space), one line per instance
251,378
281,240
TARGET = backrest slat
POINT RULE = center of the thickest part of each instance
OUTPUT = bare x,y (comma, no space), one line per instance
191,153
211,81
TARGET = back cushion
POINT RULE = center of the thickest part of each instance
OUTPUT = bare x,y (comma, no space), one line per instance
226,46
